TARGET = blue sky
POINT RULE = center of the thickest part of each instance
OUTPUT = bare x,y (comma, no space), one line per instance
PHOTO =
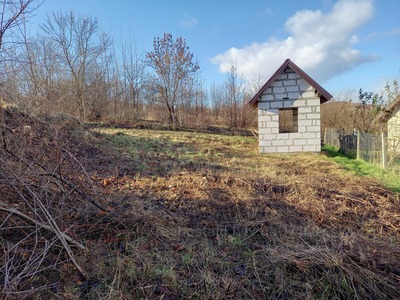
344,45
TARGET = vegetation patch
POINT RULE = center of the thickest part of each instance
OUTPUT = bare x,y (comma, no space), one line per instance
176,215
362,168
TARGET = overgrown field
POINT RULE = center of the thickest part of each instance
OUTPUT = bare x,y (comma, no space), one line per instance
147,214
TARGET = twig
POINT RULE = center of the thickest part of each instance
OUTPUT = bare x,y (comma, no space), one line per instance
4,207
255,133
78,190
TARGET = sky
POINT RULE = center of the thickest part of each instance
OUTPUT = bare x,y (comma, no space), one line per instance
344,45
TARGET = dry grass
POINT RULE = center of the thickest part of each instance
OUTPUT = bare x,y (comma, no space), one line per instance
204,216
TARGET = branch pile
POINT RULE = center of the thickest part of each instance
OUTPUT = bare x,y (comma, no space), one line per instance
44,191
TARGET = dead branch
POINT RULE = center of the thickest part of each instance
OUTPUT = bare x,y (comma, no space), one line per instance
255,133
6,208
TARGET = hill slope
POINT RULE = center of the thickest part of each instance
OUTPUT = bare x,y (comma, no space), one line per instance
176,215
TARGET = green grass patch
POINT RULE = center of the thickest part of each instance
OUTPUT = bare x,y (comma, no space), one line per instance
362,168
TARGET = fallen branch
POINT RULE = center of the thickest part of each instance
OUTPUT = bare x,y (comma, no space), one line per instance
255,133
6,208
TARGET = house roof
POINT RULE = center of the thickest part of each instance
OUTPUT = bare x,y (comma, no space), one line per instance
325,96
388,111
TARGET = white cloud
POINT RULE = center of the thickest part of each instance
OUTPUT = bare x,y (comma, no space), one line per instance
188,21
320,43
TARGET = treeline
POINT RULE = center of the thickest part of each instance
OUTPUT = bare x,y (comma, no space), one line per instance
72,67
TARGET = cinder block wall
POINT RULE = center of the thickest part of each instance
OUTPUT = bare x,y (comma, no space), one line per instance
289,90
394,133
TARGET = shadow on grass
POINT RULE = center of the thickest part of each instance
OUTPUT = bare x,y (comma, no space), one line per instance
155,156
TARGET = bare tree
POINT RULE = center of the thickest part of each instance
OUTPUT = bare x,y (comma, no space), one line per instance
174,69
234,89
80,47
133,71
12,14
217,100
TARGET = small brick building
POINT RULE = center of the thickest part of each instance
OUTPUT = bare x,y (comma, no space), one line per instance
289,118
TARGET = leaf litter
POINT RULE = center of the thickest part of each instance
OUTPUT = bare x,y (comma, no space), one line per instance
176,215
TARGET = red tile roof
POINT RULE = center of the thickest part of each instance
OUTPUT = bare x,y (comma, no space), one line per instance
325,96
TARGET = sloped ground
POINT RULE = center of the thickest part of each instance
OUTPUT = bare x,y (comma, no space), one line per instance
175,215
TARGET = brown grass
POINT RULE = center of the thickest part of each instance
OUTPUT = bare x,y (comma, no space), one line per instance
196,215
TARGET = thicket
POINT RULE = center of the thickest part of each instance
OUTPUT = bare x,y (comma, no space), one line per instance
72,67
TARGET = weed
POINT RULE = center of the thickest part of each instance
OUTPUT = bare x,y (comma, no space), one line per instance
196,215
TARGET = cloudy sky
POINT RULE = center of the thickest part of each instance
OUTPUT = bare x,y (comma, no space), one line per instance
343,44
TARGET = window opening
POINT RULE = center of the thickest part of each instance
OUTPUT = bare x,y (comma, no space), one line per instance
288,120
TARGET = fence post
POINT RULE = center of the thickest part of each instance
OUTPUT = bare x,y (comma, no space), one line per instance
384,154
358,144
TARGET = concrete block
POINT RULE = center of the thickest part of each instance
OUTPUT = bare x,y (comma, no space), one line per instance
313,102
301,116
294,95
295,135
289,142
264,130
275,117
300,103
276,104
288,83
314,128
270,97
283,76
302,129
269,149
273,111
293,76
278,142
269,137
316,122
304,86
295,148
283,136
308,95
263,105
313,141
294,88
265,118
282,149
277,83
301,82
275,129
305,123
313,116
288,103
309,135
300,142
312,148
278,90
305,109
264,143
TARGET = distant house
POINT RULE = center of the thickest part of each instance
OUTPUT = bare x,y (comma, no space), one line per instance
289,118
389,118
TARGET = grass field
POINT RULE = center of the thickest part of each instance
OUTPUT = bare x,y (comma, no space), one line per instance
205,216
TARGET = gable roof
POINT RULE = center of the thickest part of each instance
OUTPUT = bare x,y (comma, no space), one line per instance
388,111
325,96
